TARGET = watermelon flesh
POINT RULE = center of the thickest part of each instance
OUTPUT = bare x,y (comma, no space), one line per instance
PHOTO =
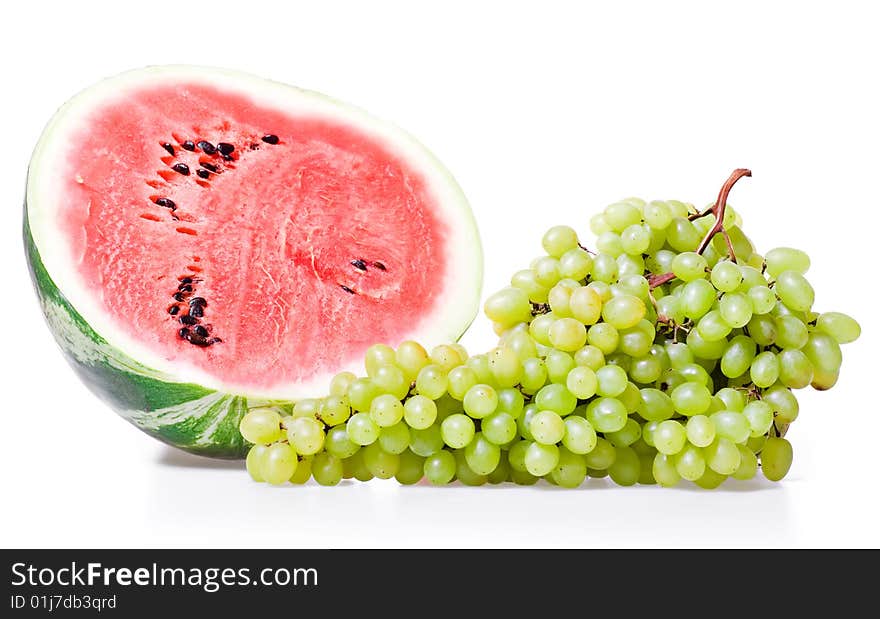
239,237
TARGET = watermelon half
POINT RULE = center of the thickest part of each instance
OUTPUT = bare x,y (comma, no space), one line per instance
204,241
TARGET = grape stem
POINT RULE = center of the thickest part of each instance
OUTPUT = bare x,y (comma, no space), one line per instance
718,209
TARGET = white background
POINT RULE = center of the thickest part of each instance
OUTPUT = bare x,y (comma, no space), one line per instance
546,112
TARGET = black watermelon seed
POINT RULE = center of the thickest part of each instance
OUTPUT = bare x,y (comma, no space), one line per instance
185,288
184,332
187,320
208,166
197,311
188,145
181,168
225,148
206,147
179,296
347,289
173,310
200,331
169,148
270,139
254,146
198,301
186,280
166,203
379,265
203,173
359,264
227,157
198,340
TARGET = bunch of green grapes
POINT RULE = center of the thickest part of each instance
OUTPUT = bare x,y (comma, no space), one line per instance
670,353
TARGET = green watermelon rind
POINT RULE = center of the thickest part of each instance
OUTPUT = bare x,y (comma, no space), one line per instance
188,416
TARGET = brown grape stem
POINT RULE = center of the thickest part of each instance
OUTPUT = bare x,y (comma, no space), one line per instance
718,209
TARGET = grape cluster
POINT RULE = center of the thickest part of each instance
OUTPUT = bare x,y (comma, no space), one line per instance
670,353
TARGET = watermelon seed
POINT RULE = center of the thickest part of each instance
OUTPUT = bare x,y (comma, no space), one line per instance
227,157
179,296
197,311
254,146
208,166
167,203
181,168
173,310
185,288
347,289
359,264
206,147
225,148
379,265
188,320
186,280
188,145
198,301
270,139
169,148
200,331
203,173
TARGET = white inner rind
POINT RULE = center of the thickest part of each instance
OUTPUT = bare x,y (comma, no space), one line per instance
458,301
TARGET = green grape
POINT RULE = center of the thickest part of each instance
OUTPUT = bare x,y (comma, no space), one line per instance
603,289
527,281
700,430
791,332
457,430
499,428
460,379
626,469
609,244
582,382
697,298
690,463
432,382
841,327
635,239
511,401
605,268
691,399
426,442
360,394
604,337
440,467
547,427
611,381
751,277
411,468
606,414
784,403
657,215
278,463
688,266
765,369
522,345
630,398
254,463
447,357
575,264
501,473
762,329
523,423
355,467
482,455
389,379
626,436
326,469
362,430
570,470
645,369
534,375
541,459
748,464
308,407
338,444
410,358
395,439
306,435
824,379
598,224
579,437
710,480
738,356
722,456
726,276
681,235
669,437
539,328
759,415
648,430
654,405
480,401
784,259
523,478
776,458
601,456
823,351
341,382
763,299
637,340
516,456
505,365
419,412
589,356
558,364
546,271
794,290
480,364
661,261
558,240
733,400
379,462
731,425
622,214
712,327
261,426
585,304
567,334
556,398
559,299
335,410
378,355
464,473
679,354
735,309
664,470
795,369
623,311
742,246
508,306
756,444
303,471
386,410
